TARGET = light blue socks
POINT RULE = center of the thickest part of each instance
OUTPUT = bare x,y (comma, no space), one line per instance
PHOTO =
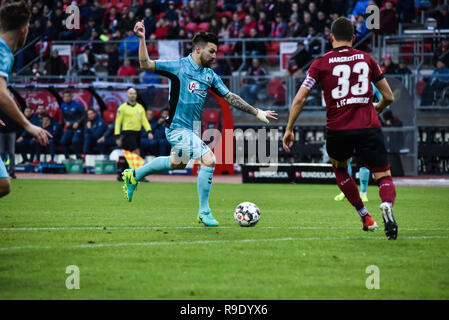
204,184
350,168
156,165
364,179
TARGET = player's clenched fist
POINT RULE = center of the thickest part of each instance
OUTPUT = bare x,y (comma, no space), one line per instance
288,139
139,29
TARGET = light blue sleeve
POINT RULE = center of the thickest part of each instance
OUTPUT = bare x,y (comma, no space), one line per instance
171,66
6,62
218,87
376,92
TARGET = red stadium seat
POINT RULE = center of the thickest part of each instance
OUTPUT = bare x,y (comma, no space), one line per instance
156,113
108,116
191,26
204,26
211,119
111,106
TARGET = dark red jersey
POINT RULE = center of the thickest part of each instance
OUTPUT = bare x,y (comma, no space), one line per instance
345,75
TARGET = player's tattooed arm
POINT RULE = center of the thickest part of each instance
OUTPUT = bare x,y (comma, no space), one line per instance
237,102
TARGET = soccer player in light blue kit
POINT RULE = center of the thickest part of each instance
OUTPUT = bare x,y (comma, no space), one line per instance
190,78
14,23
363,171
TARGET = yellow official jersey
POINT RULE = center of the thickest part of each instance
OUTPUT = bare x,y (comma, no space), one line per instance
132,118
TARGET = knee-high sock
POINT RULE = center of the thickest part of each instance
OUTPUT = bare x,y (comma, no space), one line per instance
348,186
364,178
387,191
154,166
204,184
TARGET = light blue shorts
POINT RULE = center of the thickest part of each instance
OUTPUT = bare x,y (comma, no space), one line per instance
3,172
186,144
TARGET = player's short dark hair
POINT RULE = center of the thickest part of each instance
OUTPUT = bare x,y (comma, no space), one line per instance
14,14
342,29
67,92
203,37
45,115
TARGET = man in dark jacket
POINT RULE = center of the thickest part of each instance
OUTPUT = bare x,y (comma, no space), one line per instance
94,129
54,128
73,115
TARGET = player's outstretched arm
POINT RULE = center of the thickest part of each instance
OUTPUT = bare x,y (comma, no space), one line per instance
295,110
237,102
8,105
387,95
145,62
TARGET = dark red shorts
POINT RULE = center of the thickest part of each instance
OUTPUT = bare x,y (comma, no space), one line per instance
367,145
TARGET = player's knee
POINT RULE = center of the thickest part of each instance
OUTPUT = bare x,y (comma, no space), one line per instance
209,160
5,187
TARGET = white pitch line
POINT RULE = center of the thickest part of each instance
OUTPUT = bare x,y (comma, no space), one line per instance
163,243
195,227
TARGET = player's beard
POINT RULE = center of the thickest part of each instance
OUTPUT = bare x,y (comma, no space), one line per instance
205,62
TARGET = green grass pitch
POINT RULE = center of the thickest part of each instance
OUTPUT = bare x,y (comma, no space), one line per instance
306,245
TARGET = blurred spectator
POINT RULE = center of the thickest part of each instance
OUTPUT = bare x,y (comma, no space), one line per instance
159,134
443,17
173,31
307,23
112,20
321,21
236,26
223,33
8,135
148,143
162,29
111,48
435,84
360,28
240,11
108,141
405,10
54,128
263,25
23,142
300,58
255,48
127,23
360,7
403,69
279,27
130,43
73,115
150,22
388,66
55,65
86,57
313,43
284,8
248,24
388,18
93,130
215,26
127,70
96,12
255,82
313,10
171,14
442,52
87,34
294,27
86,74
50,31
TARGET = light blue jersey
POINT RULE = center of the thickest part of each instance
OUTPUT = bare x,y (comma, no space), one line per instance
6,60
188,90
6,63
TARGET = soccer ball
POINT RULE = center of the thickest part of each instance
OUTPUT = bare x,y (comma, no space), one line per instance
247,214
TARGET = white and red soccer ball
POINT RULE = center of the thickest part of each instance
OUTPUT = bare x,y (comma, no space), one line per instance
247,214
